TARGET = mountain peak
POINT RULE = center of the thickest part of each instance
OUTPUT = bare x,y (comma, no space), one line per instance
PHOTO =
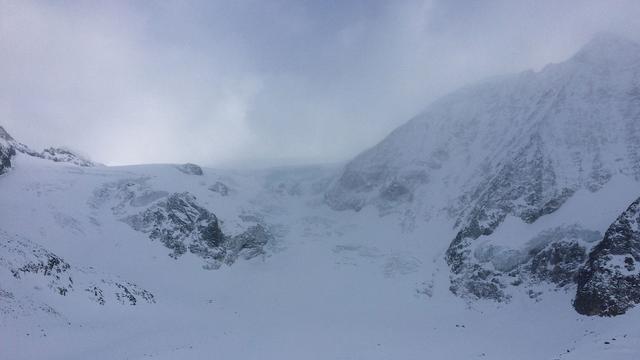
608,48
9,146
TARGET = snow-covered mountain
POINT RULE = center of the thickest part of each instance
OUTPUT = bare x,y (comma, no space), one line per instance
506,159
488,226
9,146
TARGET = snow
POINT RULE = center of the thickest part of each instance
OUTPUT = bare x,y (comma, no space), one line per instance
462,140
616,263
338,285
589,210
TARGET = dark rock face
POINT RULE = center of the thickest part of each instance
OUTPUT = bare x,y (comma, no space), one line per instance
6,151
554,256
525,187
479,283
179,222
609,283
182,225
190,169
558,263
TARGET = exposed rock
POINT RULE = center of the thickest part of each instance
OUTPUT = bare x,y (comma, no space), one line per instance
125,293
525,187
182,225
609,283
9,147
29,262
129,294
250,243
554,256
190,169
49,266
558,263
220,188
6,151
65,155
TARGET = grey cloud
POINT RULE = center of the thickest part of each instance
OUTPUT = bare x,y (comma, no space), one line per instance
225,82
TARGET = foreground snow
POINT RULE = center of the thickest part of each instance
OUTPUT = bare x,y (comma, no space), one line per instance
333,285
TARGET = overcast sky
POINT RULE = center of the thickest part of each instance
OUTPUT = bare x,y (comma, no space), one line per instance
263,81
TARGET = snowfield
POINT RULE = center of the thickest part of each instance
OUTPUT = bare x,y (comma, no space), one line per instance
334,285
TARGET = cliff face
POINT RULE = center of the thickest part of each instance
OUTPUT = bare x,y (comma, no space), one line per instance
6,151
609,283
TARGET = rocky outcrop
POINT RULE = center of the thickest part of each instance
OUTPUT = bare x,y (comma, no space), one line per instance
553,257
182,225
544,169
190,169
65,155
9,147
6,151
220,188
30,263
249,243
49,266
609,283
525,187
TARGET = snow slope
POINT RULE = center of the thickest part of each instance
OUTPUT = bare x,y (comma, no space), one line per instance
332,286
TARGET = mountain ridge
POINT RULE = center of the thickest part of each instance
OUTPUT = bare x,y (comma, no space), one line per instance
9,147
520,145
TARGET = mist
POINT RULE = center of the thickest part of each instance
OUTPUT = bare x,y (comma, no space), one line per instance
230,83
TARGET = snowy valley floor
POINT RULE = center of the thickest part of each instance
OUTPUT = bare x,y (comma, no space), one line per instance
334,285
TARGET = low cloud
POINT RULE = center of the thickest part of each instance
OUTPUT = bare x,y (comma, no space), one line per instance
223,83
